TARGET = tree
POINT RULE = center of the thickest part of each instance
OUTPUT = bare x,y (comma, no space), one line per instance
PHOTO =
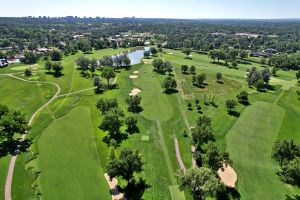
243,97
126,165
28,72
12,123
131,123
30,57
168,67
105,105
184,69
112,122
291,172
147,54
159,66
201,79
231,104
134,104
57,67
99,84
201,182
244,54
219,77
260,85
234,64
192,69
186,51
107,61
233,53
204,120
56,55
169,84
266,75
214,158
83,63
213,55
202,135
285,151
108,73
48,66
94,65
153,51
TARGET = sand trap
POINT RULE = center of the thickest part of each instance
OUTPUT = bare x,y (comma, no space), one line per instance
113,185
228,176
136,72
134,92
170,53
133,76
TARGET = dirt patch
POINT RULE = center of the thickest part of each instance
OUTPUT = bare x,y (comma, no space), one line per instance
135,92
228,176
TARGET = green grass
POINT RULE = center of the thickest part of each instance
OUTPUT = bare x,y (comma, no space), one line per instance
68,160
250,143
4,163
176,194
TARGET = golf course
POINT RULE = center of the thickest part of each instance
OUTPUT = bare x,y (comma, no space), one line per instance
68,156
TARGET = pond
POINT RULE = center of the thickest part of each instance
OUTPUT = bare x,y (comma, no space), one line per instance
136,55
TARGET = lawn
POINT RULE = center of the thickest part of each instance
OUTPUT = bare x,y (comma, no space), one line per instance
250,143
68,160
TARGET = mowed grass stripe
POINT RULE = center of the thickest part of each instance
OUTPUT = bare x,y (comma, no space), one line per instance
68,160
250,143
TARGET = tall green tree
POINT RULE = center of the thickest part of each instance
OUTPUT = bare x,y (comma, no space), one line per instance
108,73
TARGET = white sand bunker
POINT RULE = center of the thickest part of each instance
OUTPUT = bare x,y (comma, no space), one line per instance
135,92
170,53
228,176
134,75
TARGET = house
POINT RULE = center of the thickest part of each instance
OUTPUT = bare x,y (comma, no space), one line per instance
3,63
43,50
259,54
270,50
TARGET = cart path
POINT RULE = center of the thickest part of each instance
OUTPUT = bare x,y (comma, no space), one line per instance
12,163
178,156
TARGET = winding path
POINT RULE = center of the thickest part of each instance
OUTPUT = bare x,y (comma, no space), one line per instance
14,157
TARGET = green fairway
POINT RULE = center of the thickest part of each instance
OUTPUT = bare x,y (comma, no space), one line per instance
176,194
250,143
155,102
69,163
4,163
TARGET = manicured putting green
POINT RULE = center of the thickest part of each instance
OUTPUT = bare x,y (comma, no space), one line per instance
285,85
176,194
68,161
250,143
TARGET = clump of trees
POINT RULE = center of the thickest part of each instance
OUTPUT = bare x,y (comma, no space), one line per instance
100,87
286,61
199,80
108,73
203,181
54,68
113,119
287,154
259,79
169,85
162,67
56,55
30,57
134,104
12,125
28,72
231,104
243,97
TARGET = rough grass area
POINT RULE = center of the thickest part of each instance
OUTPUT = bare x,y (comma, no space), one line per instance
250,143
68,160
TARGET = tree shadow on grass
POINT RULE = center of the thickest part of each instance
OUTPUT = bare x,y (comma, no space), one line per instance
171,91
245,103
14,147
135,189
234,113
119,138
296,197
228,193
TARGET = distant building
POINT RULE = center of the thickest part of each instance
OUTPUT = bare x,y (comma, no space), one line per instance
259,54
43,50
3,63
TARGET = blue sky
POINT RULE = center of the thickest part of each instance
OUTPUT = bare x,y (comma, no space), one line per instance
257,9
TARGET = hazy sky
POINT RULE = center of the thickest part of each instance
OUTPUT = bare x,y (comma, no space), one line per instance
154,8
